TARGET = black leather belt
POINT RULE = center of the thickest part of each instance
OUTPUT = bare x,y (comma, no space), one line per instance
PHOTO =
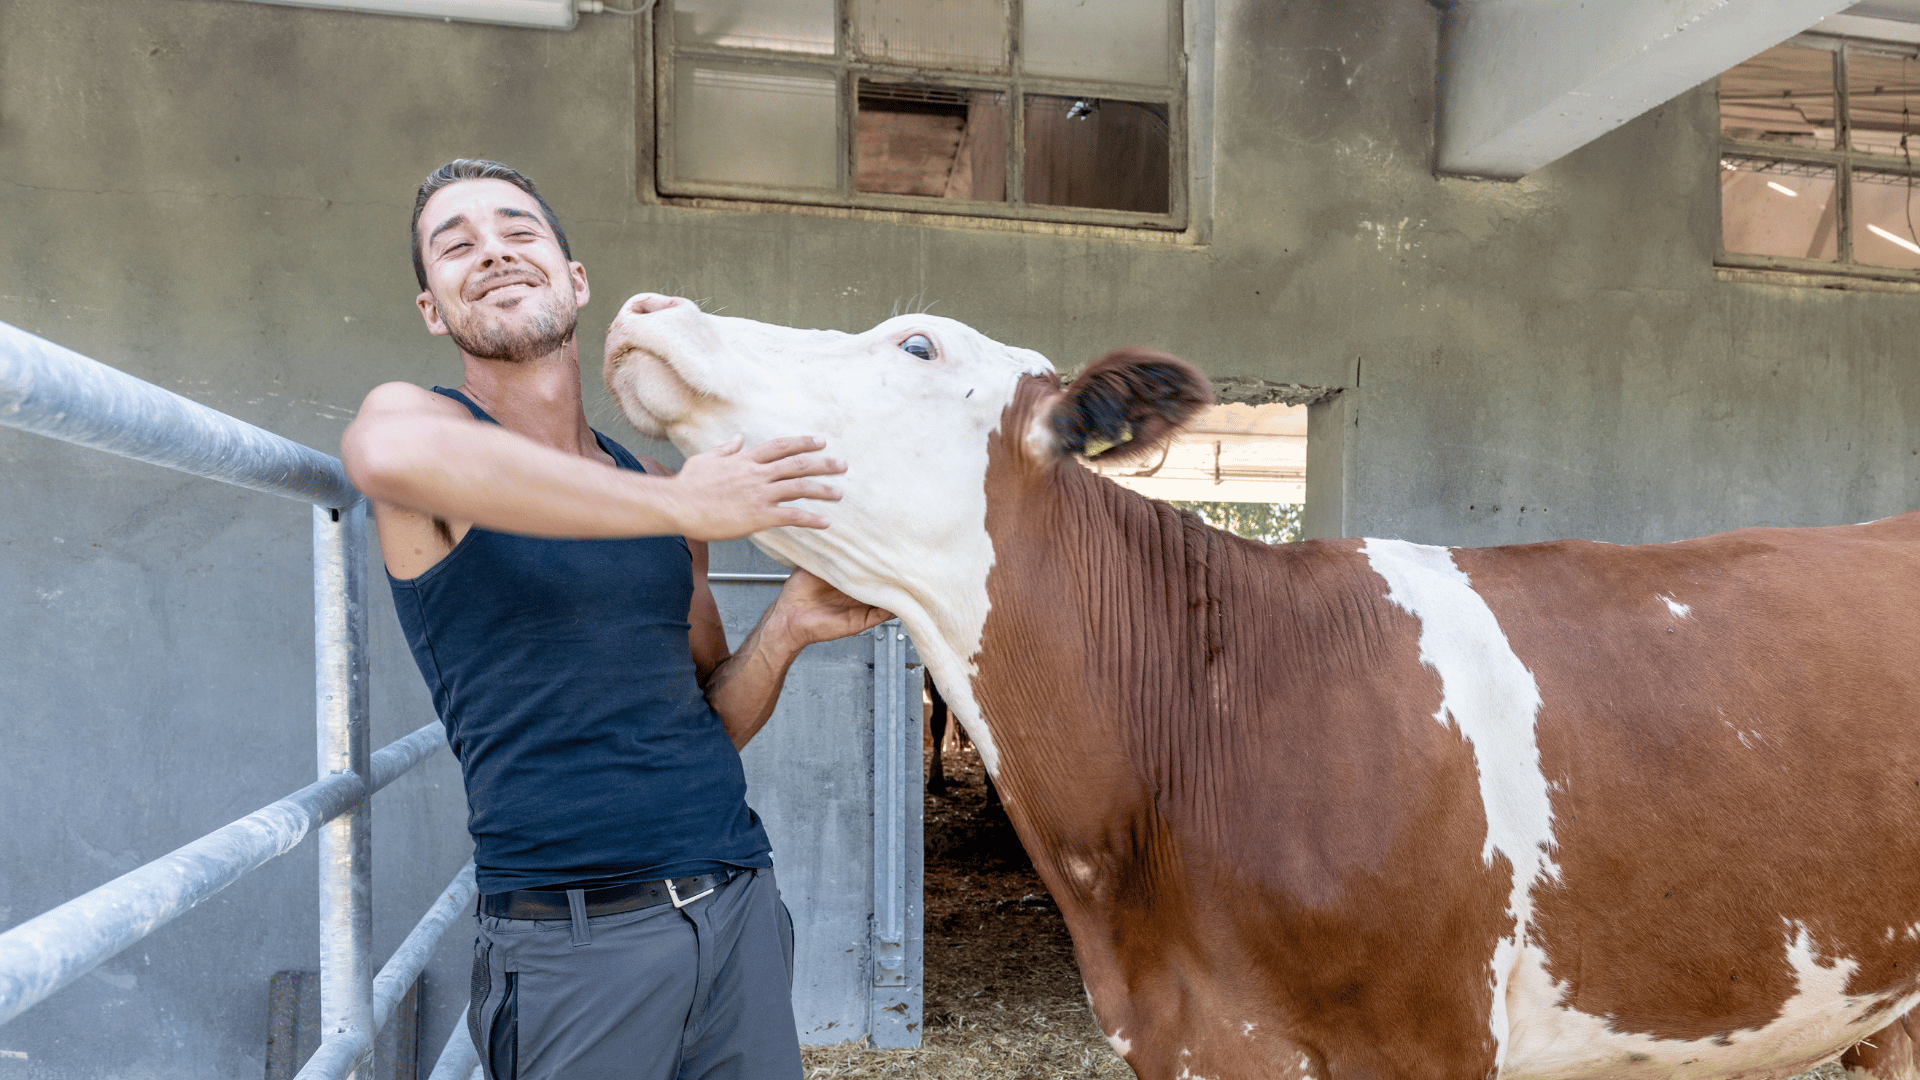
611,900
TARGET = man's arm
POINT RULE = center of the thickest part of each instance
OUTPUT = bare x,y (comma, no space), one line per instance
744,687
407,449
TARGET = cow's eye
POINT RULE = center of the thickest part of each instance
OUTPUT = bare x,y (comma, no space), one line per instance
919,345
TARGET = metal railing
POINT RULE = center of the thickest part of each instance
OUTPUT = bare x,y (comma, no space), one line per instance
55,392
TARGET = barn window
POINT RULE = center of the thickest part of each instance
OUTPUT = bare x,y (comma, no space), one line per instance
1817,167
1061,110
1241,467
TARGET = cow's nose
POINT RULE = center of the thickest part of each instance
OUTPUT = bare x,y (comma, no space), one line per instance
648,303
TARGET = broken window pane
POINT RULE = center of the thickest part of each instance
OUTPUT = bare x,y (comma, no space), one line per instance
1883,93
1884,214
1111,40
786,25
1770,207
740,124
1097,153
967,35
1784,95
936,141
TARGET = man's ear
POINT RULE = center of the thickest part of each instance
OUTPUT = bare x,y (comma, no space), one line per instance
430,312
1126,404
577,276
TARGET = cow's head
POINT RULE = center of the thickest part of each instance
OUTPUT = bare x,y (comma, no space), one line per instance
912,406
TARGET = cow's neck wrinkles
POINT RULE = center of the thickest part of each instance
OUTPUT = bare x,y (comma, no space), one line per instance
1107,611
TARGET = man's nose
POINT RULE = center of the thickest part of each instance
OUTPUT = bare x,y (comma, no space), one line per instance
494,250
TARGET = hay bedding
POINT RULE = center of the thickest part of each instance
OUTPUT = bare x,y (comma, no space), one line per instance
1003,997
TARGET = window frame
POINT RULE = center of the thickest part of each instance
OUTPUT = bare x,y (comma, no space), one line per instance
1841,157
847,70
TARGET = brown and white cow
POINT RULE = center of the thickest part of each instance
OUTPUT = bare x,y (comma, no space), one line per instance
1367,808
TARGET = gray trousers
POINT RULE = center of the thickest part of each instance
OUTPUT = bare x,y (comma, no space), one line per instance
702,992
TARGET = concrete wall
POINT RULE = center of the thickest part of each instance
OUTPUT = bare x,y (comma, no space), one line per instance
213,195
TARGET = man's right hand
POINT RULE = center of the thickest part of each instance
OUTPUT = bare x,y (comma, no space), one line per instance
432,470
727,492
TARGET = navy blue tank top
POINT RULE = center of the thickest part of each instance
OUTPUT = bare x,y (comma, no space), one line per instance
562,672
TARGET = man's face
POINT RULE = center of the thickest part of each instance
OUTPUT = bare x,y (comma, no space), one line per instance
497,282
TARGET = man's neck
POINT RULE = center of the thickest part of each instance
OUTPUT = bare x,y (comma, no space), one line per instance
537,398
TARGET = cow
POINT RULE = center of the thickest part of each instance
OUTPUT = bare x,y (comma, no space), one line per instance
1366,808
937,734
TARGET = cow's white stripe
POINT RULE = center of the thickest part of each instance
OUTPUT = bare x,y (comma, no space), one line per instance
1491,697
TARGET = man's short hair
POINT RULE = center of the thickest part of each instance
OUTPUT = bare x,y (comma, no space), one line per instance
476,169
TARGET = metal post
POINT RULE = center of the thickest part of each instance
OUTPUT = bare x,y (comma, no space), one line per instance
894,1014
889,843
340,684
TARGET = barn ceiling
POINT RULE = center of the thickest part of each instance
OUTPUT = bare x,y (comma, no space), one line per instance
1523,83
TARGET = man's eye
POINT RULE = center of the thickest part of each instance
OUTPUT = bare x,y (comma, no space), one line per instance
919,345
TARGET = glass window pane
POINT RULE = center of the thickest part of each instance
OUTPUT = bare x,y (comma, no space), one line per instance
1883,95
1099,153
1778,208
1110,40
963,35
1886,208
787,25
738,124
936,141
1783,95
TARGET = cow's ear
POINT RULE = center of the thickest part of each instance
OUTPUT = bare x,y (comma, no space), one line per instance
1126,404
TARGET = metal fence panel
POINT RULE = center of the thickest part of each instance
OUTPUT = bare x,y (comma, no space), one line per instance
811,777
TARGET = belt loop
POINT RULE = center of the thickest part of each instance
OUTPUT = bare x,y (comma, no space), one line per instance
577,907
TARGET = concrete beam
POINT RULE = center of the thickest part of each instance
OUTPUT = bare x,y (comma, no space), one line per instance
1524,82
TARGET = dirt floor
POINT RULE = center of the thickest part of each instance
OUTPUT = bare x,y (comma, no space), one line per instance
1003,997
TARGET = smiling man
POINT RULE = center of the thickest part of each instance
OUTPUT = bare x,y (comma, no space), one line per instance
554,594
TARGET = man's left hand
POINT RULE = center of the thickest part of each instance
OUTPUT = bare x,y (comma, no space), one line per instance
816,611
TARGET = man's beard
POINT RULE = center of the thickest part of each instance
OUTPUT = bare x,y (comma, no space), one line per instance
544,333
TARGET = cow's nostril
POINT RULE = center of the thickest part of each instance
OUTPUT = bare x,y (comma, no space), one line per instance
648,303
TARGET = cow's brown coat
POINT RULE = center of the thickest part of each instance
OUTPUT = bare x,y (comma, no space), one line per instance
1229,773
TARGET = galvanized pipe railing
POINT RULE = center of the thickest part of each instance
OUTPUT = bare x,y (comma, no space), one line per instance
52,949
342,1050
56,392
458,1061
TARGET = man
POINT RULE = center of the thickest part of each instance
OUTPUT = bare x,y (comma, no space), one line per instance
629,924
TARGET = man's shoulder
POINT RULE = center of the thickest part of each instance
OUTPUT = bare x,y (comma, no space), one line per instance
402,397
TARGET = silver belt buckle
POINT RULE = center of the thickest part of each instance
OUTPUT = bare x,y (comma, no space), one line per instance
673,894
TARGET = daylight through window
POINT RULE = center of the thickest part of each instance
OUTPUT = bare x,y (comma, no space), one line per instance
1817,167
1054,109
1241,467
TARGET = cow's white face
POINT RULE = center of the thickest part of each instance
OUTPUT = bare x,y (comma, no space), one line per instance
909,405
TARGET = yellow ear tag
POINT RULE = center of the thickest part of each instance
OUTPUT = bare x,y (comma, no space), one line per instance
1097,445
